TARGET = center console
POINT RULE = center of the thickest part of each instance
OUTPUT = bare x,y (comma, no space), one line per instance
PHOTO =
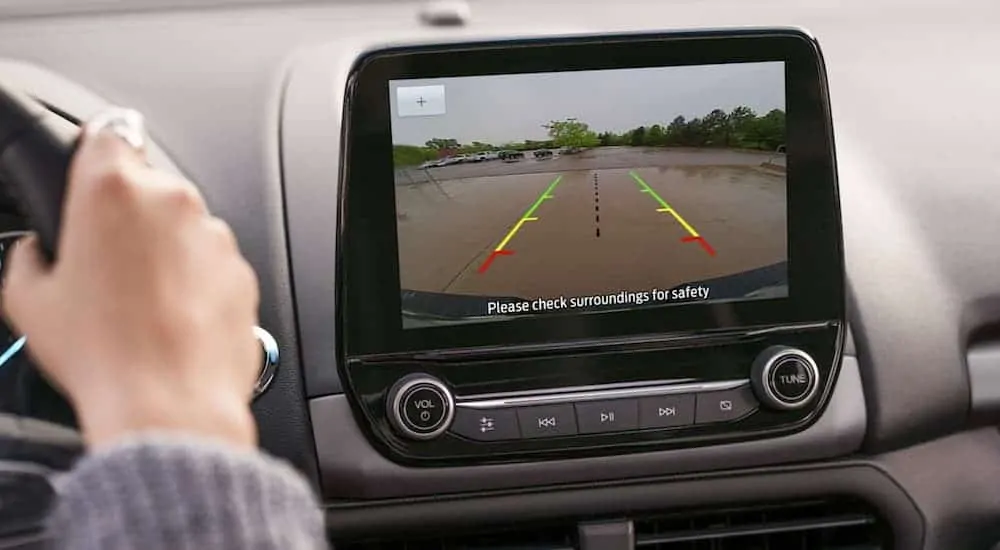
582,246
650,394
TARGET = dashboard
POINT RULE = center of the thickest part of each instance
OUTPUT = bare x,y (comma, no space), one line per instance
256,101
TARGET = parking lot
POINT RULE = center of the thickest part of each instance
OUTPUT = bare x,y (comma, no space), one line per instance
594,159
605,220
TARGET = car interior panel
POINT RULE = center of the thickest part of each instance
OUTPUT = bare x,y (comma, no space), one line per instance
560,274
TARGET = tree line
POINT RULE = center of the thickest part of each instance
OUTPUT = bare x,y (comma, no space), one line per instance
740,128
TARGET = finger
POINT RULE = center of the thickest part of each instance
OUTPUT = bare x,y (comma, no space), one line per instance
221,234
177,191
110,165
114,136
103,159
25,262
26,268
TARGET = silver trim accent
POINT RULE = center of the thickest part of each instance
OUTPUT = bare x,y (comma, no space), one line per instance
781,329
269,363
574,389
13,233
642,339
597,395
396,415
772,395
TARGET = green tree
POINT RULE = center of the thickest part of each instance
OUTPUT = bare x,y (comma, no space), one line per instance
676,131
535,144
571,133
715,127
477,147
766,132
741,120
411,155
656,136
694,133
637,137
614,139
772,129
740,127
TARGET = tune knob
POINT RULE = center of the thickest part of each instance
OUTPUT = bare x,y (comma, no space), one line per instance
784,378
420,407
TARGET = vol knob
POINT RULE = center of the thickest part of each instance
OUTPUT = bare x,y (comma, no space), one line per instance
420,407
784,378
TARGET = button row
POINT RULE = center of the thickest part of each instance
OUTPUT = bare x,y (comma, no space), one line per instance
592,417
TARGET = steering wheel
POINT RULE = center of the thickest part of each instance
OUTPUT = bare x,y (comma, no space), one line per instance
38,436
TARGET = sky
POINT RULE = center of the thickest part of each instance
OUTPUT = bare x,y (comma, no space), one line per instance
505,108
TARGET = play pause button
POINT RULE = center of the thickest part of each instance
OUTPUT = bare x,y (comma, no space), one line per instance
668,411
607,416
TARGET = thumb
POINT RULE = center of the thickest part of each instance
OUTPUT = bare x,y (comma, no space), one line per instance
25,271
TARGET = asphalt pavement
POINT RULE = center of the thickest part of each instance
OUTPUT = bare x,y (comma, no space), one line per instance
605,221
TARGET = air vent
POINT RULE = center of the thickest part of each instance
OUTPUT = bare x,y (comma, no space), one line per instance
519,537
820,525
813,525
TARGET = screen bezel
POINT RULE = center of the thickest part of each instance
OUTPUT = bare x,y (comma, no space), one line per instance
369,316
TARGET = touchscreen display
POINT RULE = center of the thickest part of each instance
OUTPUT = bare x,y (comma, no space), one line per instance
569,192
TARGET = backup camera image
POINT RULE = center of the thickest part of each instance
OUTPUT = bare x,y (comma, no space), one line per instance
583,191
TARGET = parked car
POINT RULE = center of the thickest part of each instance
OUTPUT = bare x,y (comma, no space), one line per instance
486,155
512,156
448,161
543,154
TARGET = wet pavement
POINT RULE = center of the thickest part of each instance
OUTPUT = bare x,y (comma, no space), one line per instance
598,223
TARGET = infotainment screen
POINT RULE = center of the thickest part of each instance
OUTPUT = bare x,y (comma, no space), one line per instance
589,190
572,190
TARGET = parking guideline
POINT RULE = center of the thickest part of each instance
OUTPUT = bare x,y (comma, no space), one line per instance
547,194
527,217
665,207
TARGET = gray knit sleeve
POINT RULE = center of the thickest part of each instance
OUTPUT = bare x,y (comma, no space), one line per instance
166,493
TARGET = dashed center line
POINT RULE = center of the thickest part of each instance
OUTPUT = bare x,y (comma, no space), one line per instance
597,206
